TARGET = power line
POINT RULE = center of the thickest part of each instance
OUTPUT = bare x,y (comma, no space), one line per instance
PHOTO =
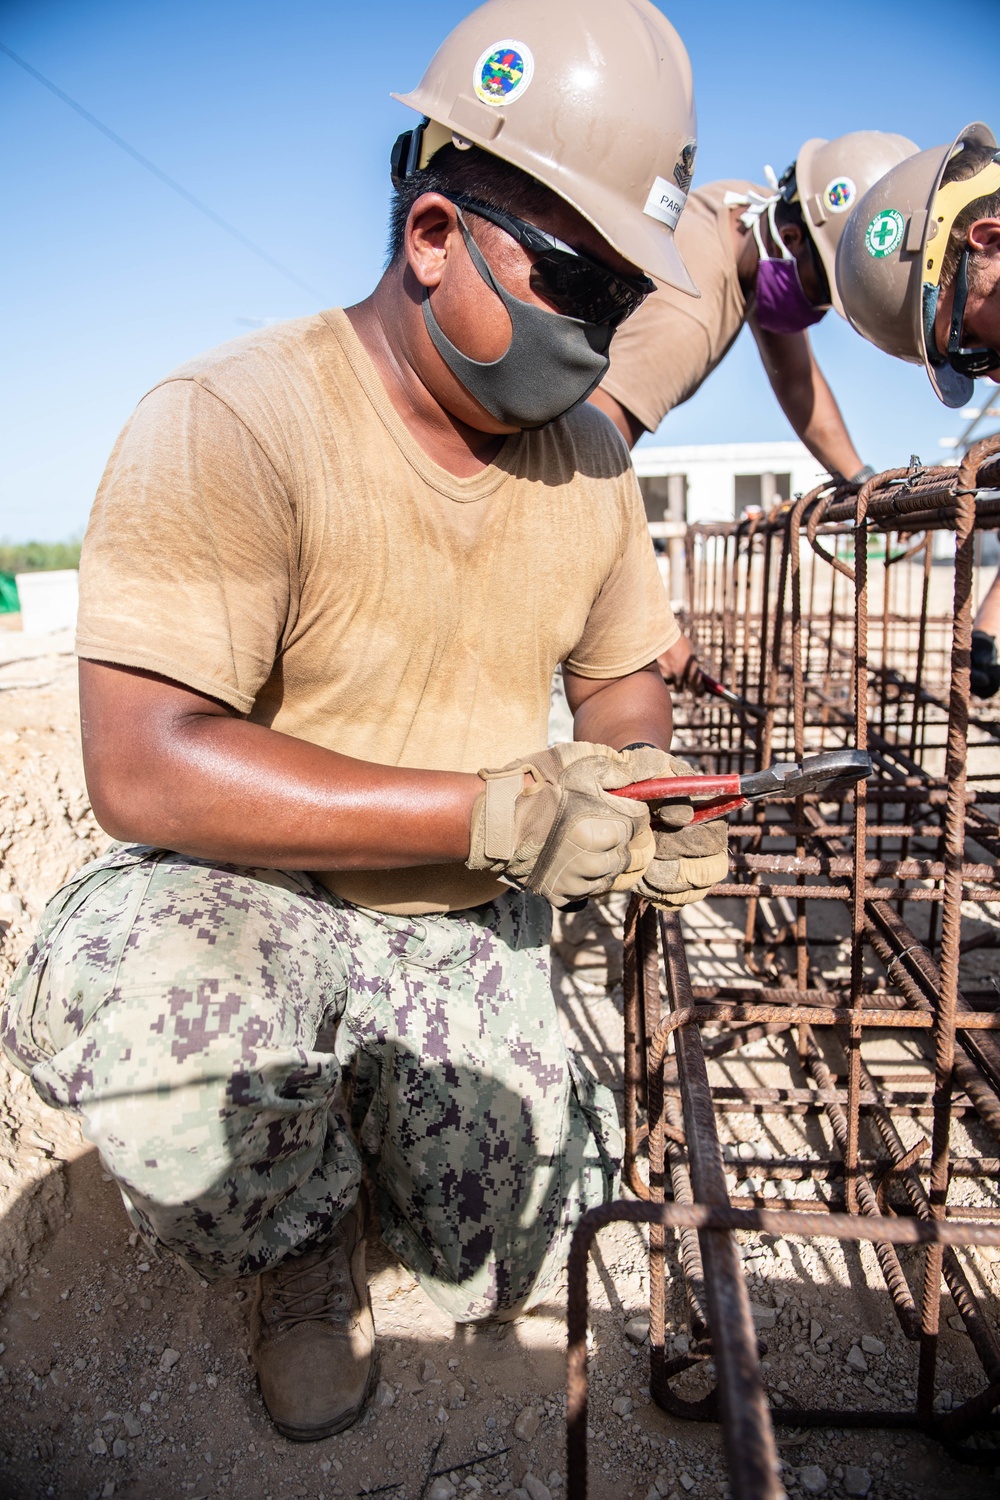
203,208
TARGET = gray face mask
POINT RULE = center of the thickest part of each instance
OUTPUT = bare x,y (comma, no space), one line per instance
551,364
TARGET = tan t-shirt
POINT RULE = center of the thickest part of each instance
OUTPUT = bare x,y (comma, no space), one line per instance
663,353
268,533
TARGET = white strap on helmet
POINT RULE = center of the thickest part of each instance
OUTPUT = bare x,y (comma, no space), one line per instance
757,205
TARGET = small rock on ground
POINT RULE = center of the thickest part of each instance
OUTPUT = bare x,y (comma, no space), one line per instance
442,1489
527,1424
637,1330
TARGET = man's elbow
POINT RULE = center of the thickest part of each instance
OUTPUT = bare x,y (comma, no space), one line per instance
125,802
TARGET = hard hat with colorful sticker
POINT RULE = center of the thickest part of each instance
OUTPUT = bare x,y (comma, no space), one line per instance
891,253
828,179
591,97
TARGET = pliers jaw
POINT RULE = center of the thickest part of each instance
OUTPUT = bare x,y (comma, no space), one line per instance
833,770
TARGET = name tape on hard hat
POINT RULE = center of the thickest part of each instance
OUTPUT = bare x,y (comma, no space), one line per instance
665,202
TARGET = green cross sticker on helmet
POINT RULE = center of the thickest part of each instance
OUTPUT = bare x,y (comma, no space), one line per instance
884,234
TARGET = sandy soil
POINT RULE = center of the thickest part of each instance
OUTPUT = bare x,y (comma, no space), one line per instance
122,1375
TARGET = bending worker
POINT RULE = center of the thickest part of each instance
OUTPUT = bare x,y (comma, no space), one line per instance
919,274
764,258
321,938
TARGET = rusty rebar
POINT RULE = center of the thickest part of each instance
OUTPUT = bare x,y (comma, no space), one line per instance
828,673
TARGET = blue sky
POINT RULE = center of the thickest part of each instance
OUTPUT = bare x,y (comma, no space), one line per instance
279,118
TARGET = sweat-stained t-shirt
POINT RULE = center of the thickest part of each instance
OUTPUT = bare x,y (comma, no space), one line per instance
269,534
663,352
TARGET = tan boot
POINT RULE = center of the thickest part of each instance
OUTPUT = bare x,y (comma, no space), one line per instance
313,1337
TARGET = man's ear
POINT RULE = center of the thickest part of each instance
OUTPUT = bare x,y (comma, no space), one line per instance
431,226
792,238
984,237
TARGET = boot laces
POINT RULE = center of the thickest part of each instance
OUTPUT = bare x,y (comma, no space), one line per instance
318,1289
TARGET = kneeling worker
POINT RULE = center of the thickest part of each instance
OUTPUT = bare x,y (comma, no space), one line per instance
919,274
339,830
764,258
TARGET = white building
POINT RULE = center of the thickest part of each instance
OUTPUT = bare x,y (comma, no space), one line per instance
716,481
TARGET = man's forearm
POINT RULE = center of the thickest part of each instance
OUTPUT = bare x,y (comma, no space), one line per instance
626,711
169,768
827,438
807,400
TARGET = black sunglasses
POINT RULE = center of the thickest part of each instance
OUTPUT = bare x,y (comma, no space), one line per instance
576,285
971,362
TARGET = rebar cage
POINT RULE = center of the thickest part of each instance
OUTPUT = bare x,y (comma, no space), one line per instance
824,616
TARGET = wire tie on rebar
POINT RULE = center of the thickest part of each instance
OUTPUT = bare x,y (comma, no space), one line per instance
899,956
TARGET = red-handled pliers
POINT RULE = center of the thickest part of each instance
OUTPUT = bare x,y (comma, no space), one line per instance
719,690
785,778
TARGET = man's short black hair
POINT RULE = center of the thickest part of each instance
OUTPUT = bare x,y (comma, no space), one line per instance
473,171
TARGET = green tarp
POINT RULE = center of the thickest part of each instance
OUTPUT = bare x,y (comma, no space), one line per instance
9,602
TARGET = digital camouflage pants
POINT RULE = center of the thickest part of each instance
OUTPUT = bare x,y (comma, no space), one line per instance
237,1041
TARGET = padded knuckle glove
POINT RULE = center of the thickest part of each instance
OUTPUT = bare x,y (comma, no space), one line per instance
547,823
985,676
690,857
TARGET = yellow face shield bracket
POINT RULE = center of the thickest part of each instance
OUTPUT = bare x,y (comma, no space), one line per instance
433,137
949,201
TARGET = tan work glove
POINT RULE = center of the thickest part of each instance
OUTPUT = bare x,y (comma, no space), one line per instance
560,834
689,860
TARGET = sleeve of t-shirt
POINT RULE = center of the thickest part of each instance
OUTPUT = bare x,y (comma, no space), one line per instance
186,563
630,622
659,357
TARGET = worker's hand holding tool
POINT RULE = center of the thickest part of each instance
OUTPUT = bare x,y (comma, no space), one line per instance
691,855
574,821
693,858
550,823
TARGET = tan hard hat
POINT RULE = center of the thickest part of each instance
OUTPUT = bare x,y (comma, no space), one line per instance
830,179
890,255
591,97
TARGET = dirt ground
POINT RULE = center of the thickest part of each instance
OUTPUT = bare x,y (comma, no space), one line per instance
123,1375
